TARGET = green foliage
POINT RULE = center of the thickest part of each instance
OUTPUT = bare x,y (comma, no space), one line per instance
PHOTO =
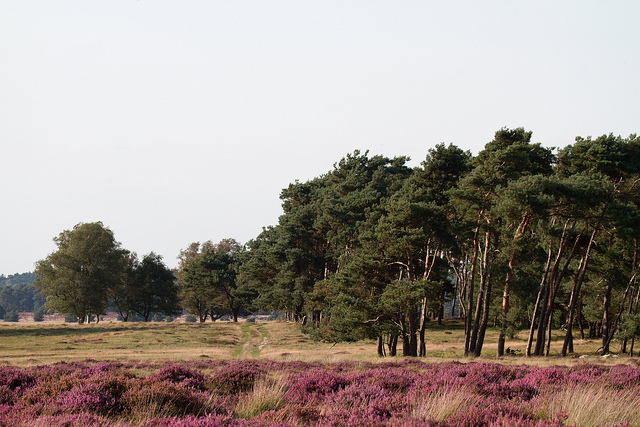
630,327
38,315
154,290
19,295
11,316
207,280
159,317
76,279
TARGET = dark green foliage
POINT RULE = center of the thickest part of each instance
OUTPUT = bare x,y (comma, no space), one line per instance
374,248
38,315
207,279
77,278
19,295
11,316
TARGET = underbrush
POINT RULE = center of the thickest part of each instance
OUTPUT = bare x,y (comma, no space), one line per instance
267,393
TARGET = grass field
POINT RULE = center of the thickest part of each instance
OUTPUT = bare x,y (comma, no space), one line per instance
246,374
27,344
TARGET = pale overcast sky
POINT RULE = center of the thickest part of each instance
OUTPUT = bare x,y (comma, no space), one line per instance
180,121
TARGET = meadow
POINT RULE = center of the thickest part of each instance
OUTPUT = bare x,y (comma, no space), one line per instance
269,374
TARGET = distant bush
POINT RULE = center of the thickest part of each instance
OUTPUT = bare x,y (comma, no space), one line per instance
169,319
2,312
70,319
38,315
11,316
191,319
158,317
250,320
276,315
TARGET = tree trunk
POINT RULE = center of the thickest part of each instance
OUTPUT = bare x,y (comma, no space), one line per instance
581,320
507,286
413,329
393,345
605,346
428,268
380,346
544,290
606,322
472,275
486,273
555,279
482,297
575,293
485,318
422,345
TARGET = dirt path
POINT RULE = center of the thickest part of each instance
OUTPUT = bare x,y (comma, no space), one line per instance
255,338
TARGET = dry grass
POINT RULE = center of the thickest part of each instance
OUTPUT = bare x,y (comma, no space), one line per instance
268,394
591,406
443,404
26,344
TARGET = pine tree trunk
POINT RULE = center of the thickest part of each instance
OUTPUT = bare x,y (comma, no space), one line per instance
507,286
482,297
485,318
393,346
554,284
413,330
467,328
422,345
606,322
575,293
543,291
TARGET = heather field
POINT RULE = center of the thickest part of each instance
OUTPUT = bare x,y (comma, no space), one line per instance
268,374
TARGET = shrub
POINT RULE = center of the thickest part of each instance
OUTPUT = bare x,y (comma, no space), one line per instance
316,385
190,319
38,315
11,316
90,397
151,398
236,377
181,376
158,317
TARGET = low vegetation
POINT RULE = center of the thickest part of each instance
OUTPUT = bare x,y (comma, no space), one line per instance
264,393
261,374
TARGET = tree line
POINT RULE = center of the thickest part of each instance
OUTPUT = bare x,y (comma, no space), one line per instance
519,236
91,273
17,294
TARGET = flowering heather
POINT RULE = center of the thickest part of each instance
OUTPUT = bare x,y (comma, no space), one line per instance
256,393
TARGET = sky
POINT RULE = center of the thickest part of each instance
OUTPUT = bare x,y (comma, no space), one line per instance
181,121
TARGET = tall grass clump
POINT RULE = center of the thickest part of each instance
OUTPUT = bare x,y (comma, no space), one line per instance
441,404
268,394
595,406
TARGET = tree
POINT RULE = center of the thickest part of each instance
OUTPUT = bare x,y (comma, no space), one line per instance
509,157
153,289
76,278
207,279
